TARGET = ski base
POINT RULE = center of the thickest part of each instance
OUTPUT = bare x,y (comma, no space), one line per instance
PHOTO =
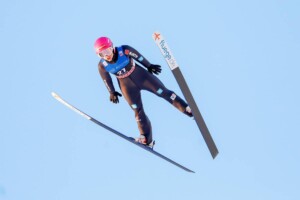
167,54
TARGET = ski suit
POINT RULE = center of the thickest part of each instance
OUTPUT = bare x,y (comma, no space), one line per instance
133,78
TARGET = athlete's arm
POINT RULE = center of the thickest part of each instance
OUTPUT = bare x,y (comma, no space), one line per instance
133,53
106,78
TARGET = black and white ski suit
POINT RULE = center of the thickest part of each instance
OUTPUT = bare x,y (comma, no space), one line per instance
133,78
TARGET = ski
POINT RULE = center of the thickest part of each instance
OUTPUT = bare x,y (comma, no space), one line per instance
166,52
129,139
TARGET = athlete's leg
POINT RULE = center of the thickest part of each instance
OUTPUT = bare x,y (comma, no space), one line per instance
132,94
151,83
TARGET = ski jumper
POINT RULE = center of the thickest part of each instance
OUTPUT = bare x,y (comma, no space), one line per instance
133,78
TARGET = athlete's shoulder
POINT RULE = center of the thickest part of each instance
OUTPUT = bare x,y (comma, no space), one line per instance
130,51
127,47
102,63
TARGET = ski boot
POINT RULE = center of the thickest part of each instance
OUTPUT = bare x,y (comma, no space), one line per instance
188,111
143,140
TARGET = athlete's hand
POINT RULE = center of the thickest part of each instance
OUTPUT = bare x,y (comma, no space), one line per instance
156,69
114,97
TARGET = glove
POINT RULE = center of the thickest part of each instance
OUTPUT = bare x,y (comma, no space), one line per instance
156,69
114,97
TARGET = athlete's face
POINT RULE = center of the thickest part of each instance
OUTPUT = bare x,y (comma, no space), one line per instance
107,54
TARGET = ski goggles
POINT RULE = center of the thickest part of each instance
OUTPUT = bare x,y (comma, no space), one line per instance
106,52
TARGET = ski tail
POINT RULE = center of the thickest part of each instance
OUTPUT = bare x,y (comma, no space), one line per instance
197,115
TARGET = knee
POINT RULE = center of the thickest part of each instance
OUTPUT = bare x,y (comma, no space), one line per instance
163,92
166,94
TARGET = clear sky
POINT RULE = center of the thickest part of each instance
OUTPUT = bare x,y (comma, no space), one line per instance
240,59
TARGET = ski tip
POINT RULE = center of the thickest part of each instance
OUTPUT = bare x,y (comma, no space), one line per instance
156,35
54,94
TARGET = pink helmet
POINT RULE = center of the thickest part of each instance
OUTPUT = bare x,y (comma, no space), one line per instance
102,43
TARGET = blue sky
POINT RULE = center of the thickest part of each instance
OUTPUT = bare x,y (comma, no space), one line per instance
240,59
